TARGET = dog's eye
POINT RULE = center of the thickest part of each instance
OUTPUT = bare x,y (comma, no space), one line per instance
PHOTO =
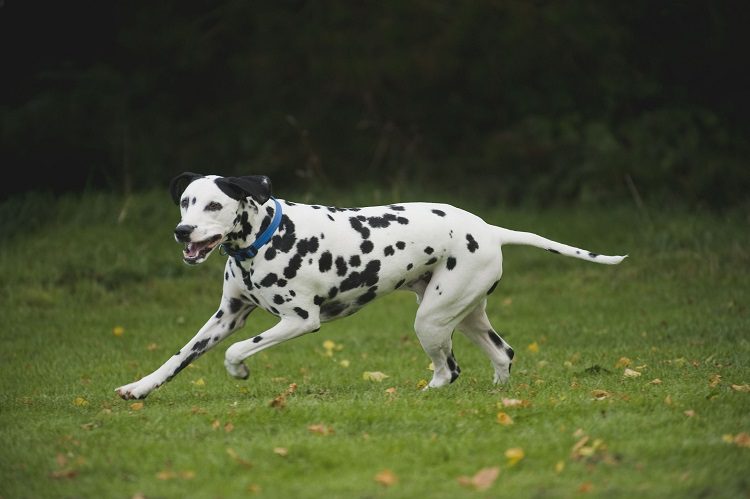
213,206
184,203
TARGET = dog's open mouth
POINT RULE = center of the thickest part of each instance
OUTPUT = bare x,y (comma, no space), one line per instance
197,251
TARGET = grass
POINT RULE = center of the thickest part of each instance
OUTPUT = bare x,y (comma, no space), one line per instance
676,310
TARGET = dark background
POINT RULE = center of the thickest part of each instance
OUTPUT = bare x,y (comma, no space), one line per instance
518,102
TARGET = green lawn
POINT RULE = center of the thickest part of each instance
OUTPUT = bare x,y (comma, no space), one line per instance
676,312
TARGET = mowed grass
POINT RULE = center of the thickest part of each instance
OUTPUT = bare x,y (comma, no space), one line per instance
676,312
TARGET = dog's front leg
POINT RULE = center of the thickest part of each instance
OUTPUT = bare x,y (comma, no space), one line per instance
286,329
230,317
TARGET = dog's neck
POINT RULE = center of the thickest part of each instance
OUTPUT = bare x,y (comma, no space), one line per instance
251,220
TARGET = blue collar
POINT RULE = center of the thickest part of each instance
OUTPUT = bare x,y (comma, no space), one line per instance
242,254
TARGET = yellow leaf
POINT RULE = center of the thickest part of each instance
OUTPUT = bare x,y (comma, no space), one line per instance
727,438
187,474
80,402
482,480
152,346
559,466
655,381
714,380
600,394
374,376
533,347
329,345
386,478
504,419
118,331
668,400
629,373
344,363
280,451
742,440
165,475
514,455
622,362
199,382
136,406
741,388
421,384
320,429
431,367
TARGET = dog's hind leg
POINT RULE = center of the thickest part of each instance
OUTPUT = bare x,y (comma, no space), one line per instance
476,326
286,329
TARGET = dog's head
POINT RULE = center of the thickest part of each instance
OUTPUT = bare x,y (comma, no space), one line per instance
211,207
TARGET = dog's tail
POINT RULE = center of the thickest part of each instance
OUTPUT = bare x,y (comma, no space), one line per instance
508,236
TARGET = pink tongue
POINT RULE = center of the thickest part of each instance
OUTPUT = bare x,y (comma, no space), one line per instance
193,249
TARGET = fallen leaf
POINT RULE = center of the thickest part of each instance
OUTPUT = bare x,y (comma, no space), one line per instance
231,452
199,382
727,438
482,480
742,440
152,346
622,362
374,376
281,451
668,400
165,475
118,331
136,406
280,401
344,363
386,478
197,410
514,455
391,390
67,473
215,424
228,428
741,388
559,467
504,419
585,487
629,373
600,394
187,474
655,381
533,347
689,413
320,429
421,384
514,403
80,402
714,380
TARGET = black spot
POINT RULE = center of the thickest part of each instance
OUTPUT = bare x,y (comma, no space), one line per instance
281,283
318,300
450,263
593,255
291,292
356,224
431,261
340,266
301,312
368,296
332,309
226,276
366,247
473,245
257,339
270,253
492,288
325,262
294,264
355,261
553,251
396,207
400,283
495,339
410,266
368,277
306,246
193,201
285,239
219,314
451,362
273,310
331,218
439,213
402,220
509,352
269,280
199,346
429,250
388,250
255,300
235,305
401,245
381,222
278,299
333,292
315,207
232,324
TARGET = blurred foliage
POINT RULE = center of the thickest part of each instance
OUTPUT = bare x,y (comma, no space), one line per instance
515,101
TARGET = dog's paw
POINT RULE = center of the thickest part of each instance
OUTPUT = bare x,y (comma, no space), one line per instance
137,390
239,370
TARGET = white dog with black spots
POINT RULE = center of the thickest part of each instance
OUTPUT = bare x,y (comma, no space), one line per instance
308,264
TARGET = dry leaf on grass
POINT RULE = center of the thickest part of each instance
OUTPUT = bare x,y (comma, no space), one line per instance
237,459
514,455
281,451
80,402
504,419
533,347
600,394
136,406
118,331
714,380
280,401
482,480
655,381
386,478
152,346
422,384
689,413
320,429
629,373
741,388
514,403
622,362
374,376
740,440
199,382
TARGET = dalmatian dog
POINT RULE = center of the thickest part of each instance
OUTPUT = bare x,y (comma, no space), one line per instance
309,264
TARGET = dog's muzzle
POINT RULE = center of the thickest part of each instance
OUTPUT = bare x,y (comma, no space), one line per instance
195,251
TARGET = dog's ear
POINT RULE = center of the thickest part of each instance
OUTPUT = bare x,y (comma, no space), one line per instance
178,184
256,186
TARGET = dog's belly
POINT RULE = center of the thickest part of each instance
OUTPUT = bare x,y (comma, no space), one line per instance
342,259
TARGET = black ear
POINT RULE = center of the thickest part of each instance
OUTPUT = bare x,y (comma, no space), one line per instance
256,186
178,184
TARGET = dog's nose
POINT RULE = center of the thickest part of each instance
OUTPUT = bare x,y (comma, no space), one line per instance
182,232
